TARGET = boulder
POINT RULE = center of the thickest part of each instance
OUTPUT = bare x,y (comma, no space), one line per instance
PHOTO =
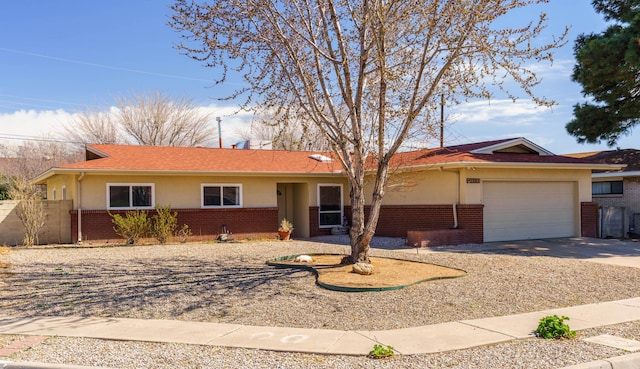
363,268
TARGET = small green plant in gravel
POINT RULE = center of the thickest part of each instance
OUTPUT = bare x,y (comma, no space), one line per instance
381,352
553,326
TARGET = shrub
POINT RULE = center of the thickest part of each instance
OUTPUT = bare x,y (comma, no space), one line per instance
553,326
164,223
132,227
184,233
29,209
380,352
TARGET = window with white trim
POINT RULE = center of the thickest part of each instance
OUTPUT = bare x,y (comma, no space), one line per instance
130,195
64,192
330,205
53,194
225,195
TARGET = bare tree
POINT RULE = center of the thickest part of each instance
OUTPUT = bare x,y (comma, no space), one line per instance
161,120
21,164
24,162
153,119
367,73
93,126
294,136
30,208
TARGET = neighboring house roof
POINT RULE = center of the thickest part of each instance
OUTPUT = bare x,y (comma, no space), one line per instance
628,157
123,158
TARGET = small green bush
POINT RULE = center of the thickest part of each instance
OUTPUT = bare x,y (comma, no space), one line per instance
164,223
133,226
553,326
380,352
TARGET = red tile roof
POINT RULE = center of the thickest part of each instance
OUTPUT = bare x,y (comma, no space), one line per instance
464,154
191,159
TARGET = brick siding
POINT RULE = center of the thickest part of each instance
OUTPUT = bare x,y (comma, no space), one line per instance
630,199
589,219
205,224
395,221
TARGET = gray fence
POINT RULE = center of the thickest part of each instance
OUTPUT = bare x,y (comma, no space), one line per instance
57,227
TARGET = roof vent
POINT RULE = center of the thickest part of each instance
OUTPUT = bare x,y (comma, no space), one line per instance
321,158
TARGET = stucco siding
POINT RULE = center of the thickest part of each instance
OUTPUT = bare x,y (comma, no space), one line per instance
464,185
418,188
184,191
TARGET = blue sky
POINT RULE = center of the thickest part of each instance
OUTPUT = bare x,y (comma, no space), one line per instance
61,57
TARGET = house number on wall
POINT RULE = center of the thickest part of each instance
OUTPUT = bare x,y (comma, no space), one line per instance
473,180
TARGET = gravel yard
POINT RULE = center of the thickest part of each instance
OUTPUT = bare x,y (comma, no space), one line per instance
230,283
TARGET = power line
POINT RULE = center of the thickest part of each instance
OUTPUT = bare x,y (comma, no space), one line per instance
9,136
35,99
104,66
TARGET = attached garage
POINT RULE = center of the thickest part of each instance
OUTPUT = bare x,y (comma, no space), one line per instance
516,210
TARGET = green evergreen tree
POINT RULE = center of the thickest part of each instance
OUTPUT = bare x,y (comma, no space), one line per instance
608,68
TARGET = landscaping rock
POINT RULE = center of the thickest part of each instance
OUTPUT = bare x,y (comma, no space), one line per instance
303,259
363,268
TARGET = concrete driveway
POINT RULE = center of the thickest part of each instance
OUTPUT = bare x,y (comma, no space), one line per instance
605,251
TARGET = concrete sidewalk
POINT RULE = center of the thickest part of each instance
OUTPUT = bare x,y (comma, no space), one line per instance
425,339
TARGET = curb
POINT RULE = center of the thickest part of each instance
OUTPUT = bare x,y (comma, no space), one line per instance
631,361
30,365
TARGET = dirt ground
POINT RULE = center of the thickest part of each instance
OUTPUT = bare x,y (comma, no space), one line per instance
387,272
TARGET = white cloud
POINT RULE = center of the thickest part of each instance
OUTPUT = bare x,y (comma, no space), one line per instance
29,124
33,123
497,112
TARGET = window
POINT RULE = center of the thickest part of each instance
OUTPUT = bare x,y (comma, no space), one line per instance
607,188
127,196
330,205
64,192
53,194
221,195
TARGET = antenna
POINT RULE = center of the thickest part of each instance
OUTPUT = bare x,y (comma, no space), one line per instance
219,131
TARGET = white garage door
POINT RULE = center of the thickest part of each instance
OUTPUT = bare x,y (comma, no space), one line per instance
528,210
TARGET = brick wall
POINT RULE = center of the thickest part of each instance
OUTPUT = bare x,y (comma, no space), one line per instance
630,199
205,224
589,219
471,218
395,221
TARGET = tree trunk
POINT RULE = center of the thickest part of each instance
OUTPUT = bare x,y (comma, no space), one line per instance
362,230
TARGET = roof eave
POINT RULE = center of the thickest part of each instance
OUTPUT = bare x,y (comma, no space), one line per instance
55,171
517,141
480,164
635,173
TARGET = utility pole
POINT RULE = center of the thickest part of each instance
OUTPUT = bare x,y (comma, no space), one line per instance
219,131
442,120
